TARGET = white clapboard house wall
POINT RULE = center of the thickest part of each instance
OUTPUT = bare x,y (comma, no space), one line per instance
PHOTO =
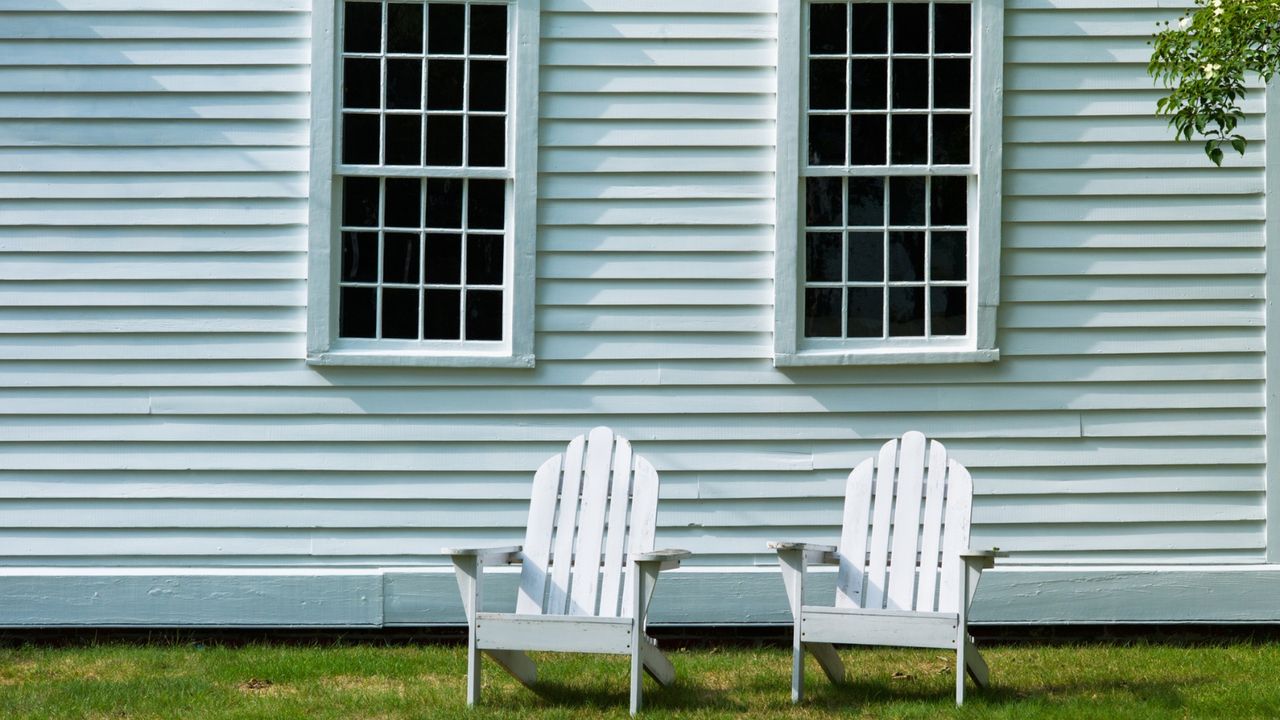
169,457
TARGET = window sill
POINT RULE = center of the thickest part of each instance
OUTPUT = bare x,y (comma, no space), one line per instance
822,358
401,358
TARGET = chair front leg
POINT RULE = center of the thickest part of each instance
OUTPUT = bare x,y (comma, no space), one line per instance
646,579
469,570
794,566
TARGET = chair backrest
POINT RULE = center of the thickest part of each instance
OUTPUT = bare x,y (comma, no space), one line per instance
591,507
904,530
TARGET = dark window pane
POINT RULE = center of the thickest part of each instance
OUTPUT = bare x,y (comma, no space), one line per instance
400,313
488,85
444,260
822,312
906,256
404,140
906,201
823,202
866,312
951,28
826,140
361,82
486,141
910,84
870,28
484,314
828,26
362,30
404,28
444,140
404,84
948,201
359,257
486,204
445,22
823,256
950,310
866,201
488,30
484,259
866,257
948,259
867,139
951,139
403,203
911,28
360,139
360,202
400,260
951,83
827,86
358,312
444,84
869,90
910,139
906,312
440,319
444,203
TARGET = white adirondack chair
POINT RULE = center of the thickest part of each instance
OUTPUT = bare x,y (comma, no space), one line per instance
906,574
589,568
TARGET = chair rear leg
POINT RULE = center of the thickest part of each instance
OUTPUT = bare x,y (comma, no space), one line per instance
976,665
473,670
517,663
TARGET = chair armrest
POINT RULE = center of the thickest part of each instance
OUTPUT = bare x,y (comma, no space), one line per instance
508,554
665,559
983,559
812,552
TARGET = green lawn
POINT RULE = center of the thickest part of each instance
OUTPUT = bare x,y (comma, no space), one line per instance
190,680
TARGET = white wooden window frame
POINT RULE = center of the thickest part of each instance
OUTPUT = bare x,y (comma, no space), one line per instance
515,350
791,348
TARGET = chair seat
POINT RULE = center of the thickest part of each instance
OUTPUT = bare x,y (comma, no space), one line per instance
858,626
553,633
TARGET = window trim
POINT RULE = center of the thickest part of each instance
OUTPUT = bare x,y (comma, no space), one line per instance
323,346
789,350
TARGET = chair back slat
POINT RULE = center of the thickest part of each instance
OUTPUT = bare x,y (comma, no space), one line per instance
644,521
881,521
906,515
596,474
566,523
931,528
853,537
615,544
955,536
537,538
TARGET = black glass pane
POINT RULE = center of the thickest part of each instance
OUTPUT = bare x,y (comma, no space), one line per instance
362,30
444,140
822,312
870,28
948,259
826,140
400,259
866,257
911,28
444,84
951,83
404,28
403,204
404,84
440,317
868,91
445,27
828,28
484,314
359,257
867,139
906,201
484,259
444,203
906,312
827,86
360,202
404,140
488,30
823,202
486,141
357,312
949,201
866,201
486,204
824,253
951,139
488,85
360,139
910,84
951,28
400,313
910,139
949,312
361,80
866,312
444,260
906,256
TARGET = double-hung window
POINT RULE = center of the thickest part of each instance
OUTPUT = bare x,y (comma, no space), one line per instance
423,182
888,181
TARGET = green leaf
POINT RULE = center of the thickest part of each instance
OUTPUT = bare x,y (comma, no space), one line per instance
1239,144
